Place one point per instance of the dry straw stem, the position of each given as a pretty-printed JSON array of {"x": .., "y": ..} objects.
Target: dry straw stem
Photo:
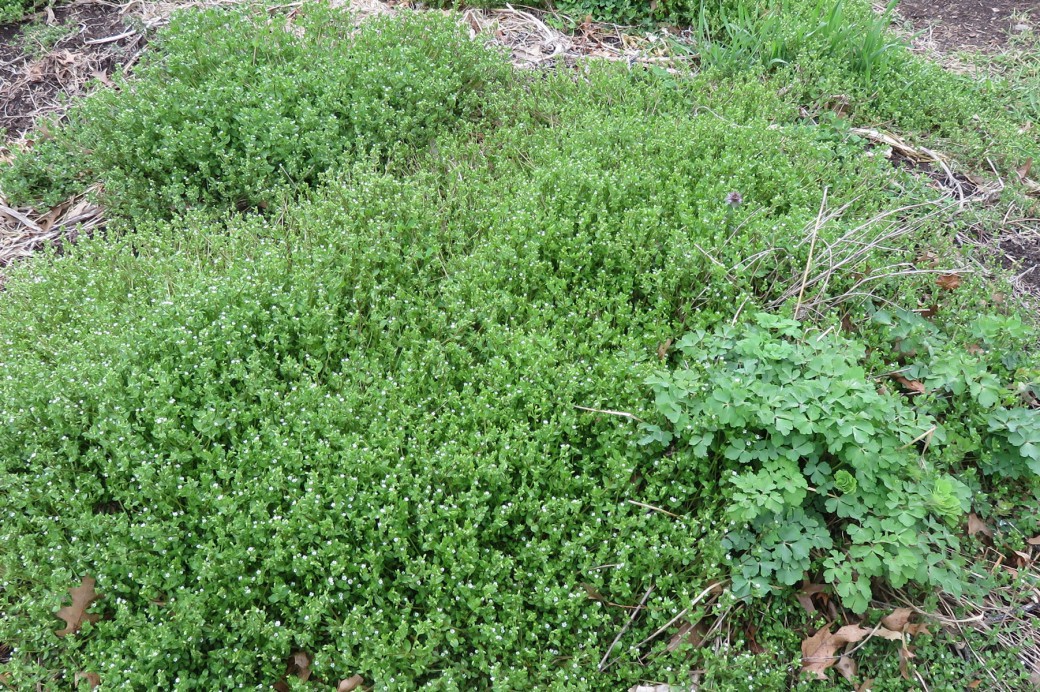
[
  {"x": 1009, "y": 615},
  {"x": 23, "y": 231},
  {"x": 850, "y": 252},
  {"x": 812, "y": 249},
  {"x": 1020, "y": 235},
  {"x": 603, "y": 665},
  {"x": 533, "y": 43},
  {"x": 923, "y": 156}
]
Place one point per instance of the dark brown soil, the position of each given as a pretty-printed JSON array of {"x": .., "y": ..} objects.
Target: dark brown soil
[
  {"x": 1021, "y": 250},
  {"x": 89, "y": 42},
  {"x": 970, "y": 24}
]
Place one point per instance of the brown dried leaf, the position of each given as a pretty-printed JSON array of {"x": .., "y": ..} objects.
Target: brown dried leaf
[
  {"x": 927, "y": 259},
  {"x": 103, "y": 78},
  {"x": 1023, "y": 170},
  {"x": 914, "y": 630},
  {"x": 749, "y": 632},
  {"x": 976, "y": 526},
  {"x": 818, "y": 651},
  {"x": 47, "y": 220},
  {"x": 806, "y": 593},
  {"x": 975, "y": 349},
  {"x": 849, "y": 634},
  {"x": 350, "y": 683},
  {"x": 662, "y": 348},
  {"x": 1035, "y": 540},
  {"x": 593, "y": 593},
  {"x": 847, "y": 667},
  {"x": 866, "y": 686},
  {"x": 300, "y": 665},
  {"x": 897, "y": 619},
  {"x": 76, "y": 614},
  {"x": 806, "y": 602},
  {"x": 948, "y": 281},
  {"x": 888, "y": 634},
  {"x": 974, "y": 684},
  {"x": 92, "y": 678},
  {"x": 909, "y": 386},
  {"x": 816, "y": 647},
  {"x": 905, "y": 654},
  {"x": 692, "y": 634}
]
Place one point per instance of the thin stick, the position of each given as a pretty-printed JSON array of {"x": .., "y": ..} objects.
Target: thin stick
[
  {"x": 812, "y": 248},
  {"x": 17, "y": 216},
  {"x": 656, "y": 509},
  {"x": 671, "y": 622},
  {"x": 631, "y": 619},
  {"x": 739, "y": 310},
  {"x": 109, "y": 39},
  {"x": 926, "y": 434},
  {"x": 608, "y": 412}
]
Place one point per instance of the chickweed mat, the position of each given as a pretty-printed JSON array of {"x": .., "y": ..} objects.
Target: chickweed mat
[{"x": 397, "y": 367}]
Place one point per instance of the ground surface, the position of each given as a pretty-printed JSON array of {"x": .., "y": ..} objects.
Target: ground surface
[
  {"x": 50, "y": 59},
  {"x": 970, "y": 24},
  {"x": 43, "y": 64}
]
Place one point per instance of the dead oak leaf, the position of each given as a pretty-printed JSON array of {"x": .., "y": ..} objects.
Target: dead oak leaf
[
  {"x": 688, "y": 633},
  {"x": 949, "y": 282},
  {"x": 93, "y": 679},
  {"x": 977, "y": 526},
  {"x": 819, "y": 651},
  {"x": 846, "y": 667},
  {"x": 1023, "y": 170},
  {"x": 76, "y": 614},
  {"x": 300, "y": 666},
  {"x": 593, "y": 593},
  {"x": 897, "y": 619},
  {"x": 888, "y": 634},
  {"x": 805, "y": 596},
  {"x": 905, "y": 654},
  {"x": 908, "y": 385},
  {"x": 350, "y": 684},
  {"x": 749, "y": 634},
  {"x": 663, "y": 347}
]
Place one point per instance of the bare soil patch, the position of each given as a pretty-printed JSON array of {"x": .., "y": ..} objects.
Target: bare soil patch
[
  {"x": 1021, "y": 253},
  {"x": 51, "y": 59},
  {"x": 970, "y": 24}
]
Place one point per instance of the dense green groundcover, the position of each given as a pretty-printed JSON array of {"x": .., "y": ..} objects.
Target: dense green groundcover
[{"x": 354, "y": 424}]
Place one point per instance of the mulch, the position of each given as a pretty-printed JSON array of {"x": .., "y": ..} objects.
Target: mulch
[
  {"x": 970, "y": 24},
  {"x": 37, "y": 82}
]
